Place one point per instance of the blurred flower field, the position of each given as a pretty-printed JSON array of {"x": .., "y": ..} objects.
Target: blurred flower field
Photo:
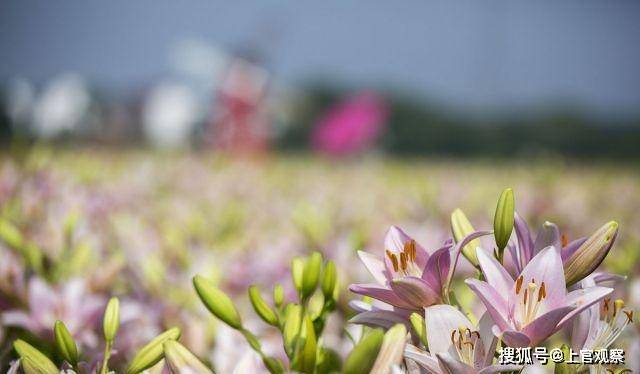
[{"x": 81, "y": 226}]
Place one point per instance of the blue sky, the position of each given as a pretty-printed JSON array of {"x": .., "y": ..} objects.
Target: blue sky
[{"x": 469, "y": 53}]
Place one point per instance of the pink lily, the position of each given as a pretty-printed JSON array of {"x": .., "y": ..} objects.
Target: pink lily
[
  {"x": 410, "y": 278},
  {"x": 600, "y": 325},
  {"x": 528, "y": 310},
  {"x": 456, "y": 345}
]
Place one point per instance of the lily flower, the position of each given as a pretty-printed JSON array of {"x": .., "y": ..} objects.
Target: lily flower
[
  {"x": 409, "y": 277},
  {"x": 601, "y": 324},
  {"x": 529, "y": 309},
  {"x": 456, "y": 345},
  {"x": 580, "y": 257}
]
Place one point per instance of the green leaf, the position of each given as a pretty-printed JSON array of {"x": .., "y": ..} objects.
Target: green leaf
[{"x": 217, "y": 302}]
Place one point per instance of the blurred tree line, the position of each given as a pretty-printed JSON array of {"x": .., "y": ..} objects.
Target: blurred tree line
[{"x": 416, "y": 127}]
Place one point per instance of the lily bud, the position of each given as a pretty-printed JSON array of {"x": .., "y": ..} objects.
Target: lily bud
[
  {"x": 261, "y": 307},
  {"x": 111, "y": 320},
  {"x": 65, "y": 343},
  {"x": 278, "y": 295},
  {"x": 461, "y": 228},
  {"x": 297, "y": 269},
  {"x": 152, "y": 353},
  {"x": 504, "y": 218},
  {"x": 217, "y": 302},
  {"x": 291, "y": 328},
  {"x": 181, "y": 360},
  {"x": 311, "y": 274},
  {"x": 419, "y": 327},
  {"x": 34, "y": 361},
  {"x": 392, "y": 349},
  {"x": 329, "y": 280},
  {"x": 305, "y": 361},
  {"x": 590, "y": 254},
  {"x": 363, "y": 355}
]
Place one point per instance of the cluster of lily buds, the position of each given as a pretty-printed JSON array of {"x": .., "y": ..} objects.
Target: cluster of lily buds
[
  {"x": 71, "y": 360},
  {"x": 300, "y": 322}
]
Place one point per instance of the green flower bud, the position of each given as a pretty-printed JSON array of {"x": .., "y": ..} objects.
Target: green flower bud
[
  {"x": 311, "y": 274},
  {"x": 111, "y": 320},
  {"x": 11, "y": 235},
  {"x": 564, "y": 367},
  {"x": 152, "y": 353},
  {"x": 278, "y": 295},
  {"x": 305, "y": 361},
  {"x": 329, "y": 280},
  {"x": 34, "y": 361},
  {"x": 363, "y": 355},
  {"x": 261, "y": 307},
  {"x": 419, "y": 327},
  {"x": 590, "y": 254},
  {"x": 392, "y": 349},
  {"x": 274, "y": 365},
  {"x": 297, "y": 269},
  {"x": 504, "y": 218},
  {"x": 461, "y": 228},
  {"x": 65, "y": 343},
  {"x": 181, "y": 360},
  {"x": 218, "y": 303},
  {"x": 328, "y": 361},
  {"x": 291, "y": 328}
]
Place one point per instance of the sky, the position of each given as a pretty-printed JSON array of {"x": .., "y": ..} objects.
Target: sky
[{"x": 469, "y": 53}]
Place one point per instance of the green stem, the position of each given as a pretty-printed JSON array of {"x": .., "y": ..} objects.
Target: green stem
[{"x": 107, "y": 354}]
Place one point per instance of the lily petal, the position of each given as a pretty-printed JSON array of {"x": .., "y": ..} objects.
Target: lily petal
[
  {"x": 545, "y": 325},
  {"x": 380, "y": 293},
  {"x": 453, "y": 366},
  {"x": 514, "y": 338},
  {"x": 582, "y": 299},
  {"x": 547, "y": 267},
  {"x": 422, "y": 358},
  {"x": 375, "y": 266},
  {"x": 525, "y": 243},
  {"x": 415, "y": 291},
  {"x": 379, "y": 318},
  {"x": 548, "y": 236},
  {"x": 500, "y": 369},
  {"x": 437, "y": 269},
  {"x": 496, "y": 305},
  {"x": 395, "y": 240},
  {"x": 441, "y": 320},
  {"x": 495, "y": 274}
]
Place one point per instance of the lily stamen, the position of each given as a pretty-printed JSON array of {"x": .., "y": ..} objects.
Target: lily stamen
[{"x": 404, "y": 262}]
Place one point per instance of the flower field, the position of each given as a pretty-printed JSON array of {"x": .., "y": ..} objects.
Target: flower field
[{"x": 177, "y": 240}]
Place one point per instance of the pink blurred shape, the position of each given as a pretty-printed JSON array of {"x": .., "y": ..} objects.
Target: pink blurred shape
[{"x": 351, "y": 126}]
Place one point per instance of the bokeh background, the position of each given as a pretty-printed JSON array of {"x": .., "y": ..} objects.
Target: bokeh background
[{"x": 144, "y": 142}]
